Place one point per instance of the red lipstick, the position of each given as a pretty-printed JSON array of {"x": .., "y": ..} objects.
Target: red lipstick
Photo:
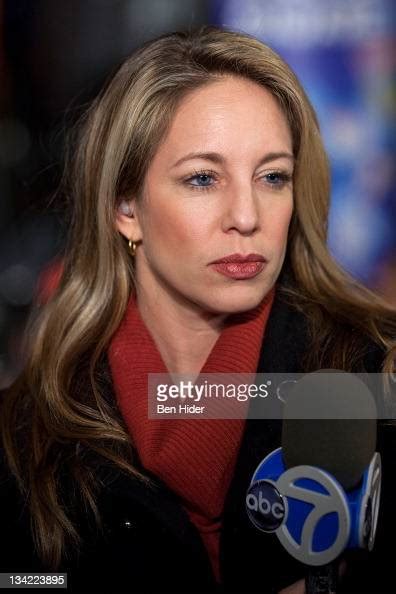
[{"x": 238, "y": 266}]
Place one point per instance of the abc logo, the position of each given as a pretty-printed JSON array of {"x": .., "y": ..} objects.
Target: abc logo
[{"x": 265, "y": 506}]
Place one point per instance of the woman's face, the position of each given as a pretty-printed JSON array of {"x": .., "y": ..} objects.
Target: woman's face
[{"x": 219, "y": 186}]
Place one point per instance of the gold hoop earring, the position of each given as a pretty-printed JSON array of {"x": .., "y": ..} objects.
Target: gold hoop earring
[{"x": 132, "y": 247}]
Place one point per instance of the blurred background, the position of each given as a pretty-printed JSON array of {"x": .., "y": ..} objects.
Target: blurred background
[{"x": 55, "y": 56}]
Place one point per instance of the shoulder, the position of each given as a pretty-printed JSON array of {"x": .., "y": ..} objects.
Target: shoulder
[{"x": 288, "y": 342}]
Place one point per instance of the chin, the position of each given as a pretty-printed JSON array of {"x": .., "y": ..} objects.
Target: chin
[{"x": 239, "y": 301}]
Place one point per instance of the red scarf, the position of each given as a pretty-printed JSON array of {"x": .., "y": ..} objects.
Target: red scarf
[{"x": 195, "y": 458}]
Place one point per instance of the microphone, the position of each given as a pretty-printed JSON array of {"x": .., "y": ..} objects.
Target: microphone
[{"x": 320, "y": 491}]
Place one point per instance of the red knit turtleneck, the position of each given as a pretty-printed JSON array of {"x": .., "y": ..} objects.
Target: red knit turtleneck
[{"x": 194, "y": 457}]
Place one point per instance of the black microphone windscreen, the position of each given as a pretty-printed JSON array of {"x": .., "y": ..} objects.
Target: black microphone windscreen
[{"x": 330, "y": 422}]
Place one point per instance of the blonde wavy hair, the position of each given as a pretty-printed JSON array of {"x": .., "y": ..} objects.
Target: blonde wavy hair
[{"x": 44, "y": 419}]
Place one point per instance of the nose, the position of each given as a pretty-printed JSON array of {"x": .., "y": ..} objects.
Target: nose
[{"x": 241, "y": 211}]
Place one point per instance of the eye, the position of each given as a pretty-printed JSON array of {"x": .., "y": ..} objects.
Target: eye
[
  {"x": 277, "y": 179},
  {"x": 201, "y": 180}
]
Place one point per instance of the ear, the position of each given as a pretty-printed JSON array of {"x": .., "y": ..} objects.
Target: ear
[{"x": 127, "y": 221}]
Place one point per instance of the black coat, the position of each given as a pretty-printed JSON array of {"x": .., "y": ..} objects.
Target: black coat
[{"x": 149, "y": 543}]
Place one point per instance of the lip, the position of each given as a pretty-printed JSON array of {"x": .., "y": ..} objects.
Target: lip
[
  {"x": 240, "y": 267},
  {"x": 240, "y": 258}
]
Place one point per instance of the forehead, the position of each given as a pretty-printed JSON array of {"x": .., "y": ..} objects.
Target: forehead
[{"x": 231, "y": 114}]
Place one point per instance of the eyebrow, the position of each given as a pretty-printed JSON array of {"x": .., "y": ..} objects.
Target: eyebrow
[{"x": 217, "y": 158}]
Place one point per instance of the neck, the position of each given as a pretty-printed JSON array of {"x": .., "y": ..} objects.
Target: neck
[{"x": 184, "y": 334}]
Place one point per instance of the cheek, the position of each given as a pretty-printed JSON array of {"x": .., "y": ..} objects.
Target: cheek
[
  {"x": 168, "y": 228},
  {"x": 279, "y": 224}
]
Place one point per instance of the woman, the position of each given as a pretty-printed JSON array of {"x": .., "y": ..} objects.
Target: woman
[{"x": 198, "y": 243}]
